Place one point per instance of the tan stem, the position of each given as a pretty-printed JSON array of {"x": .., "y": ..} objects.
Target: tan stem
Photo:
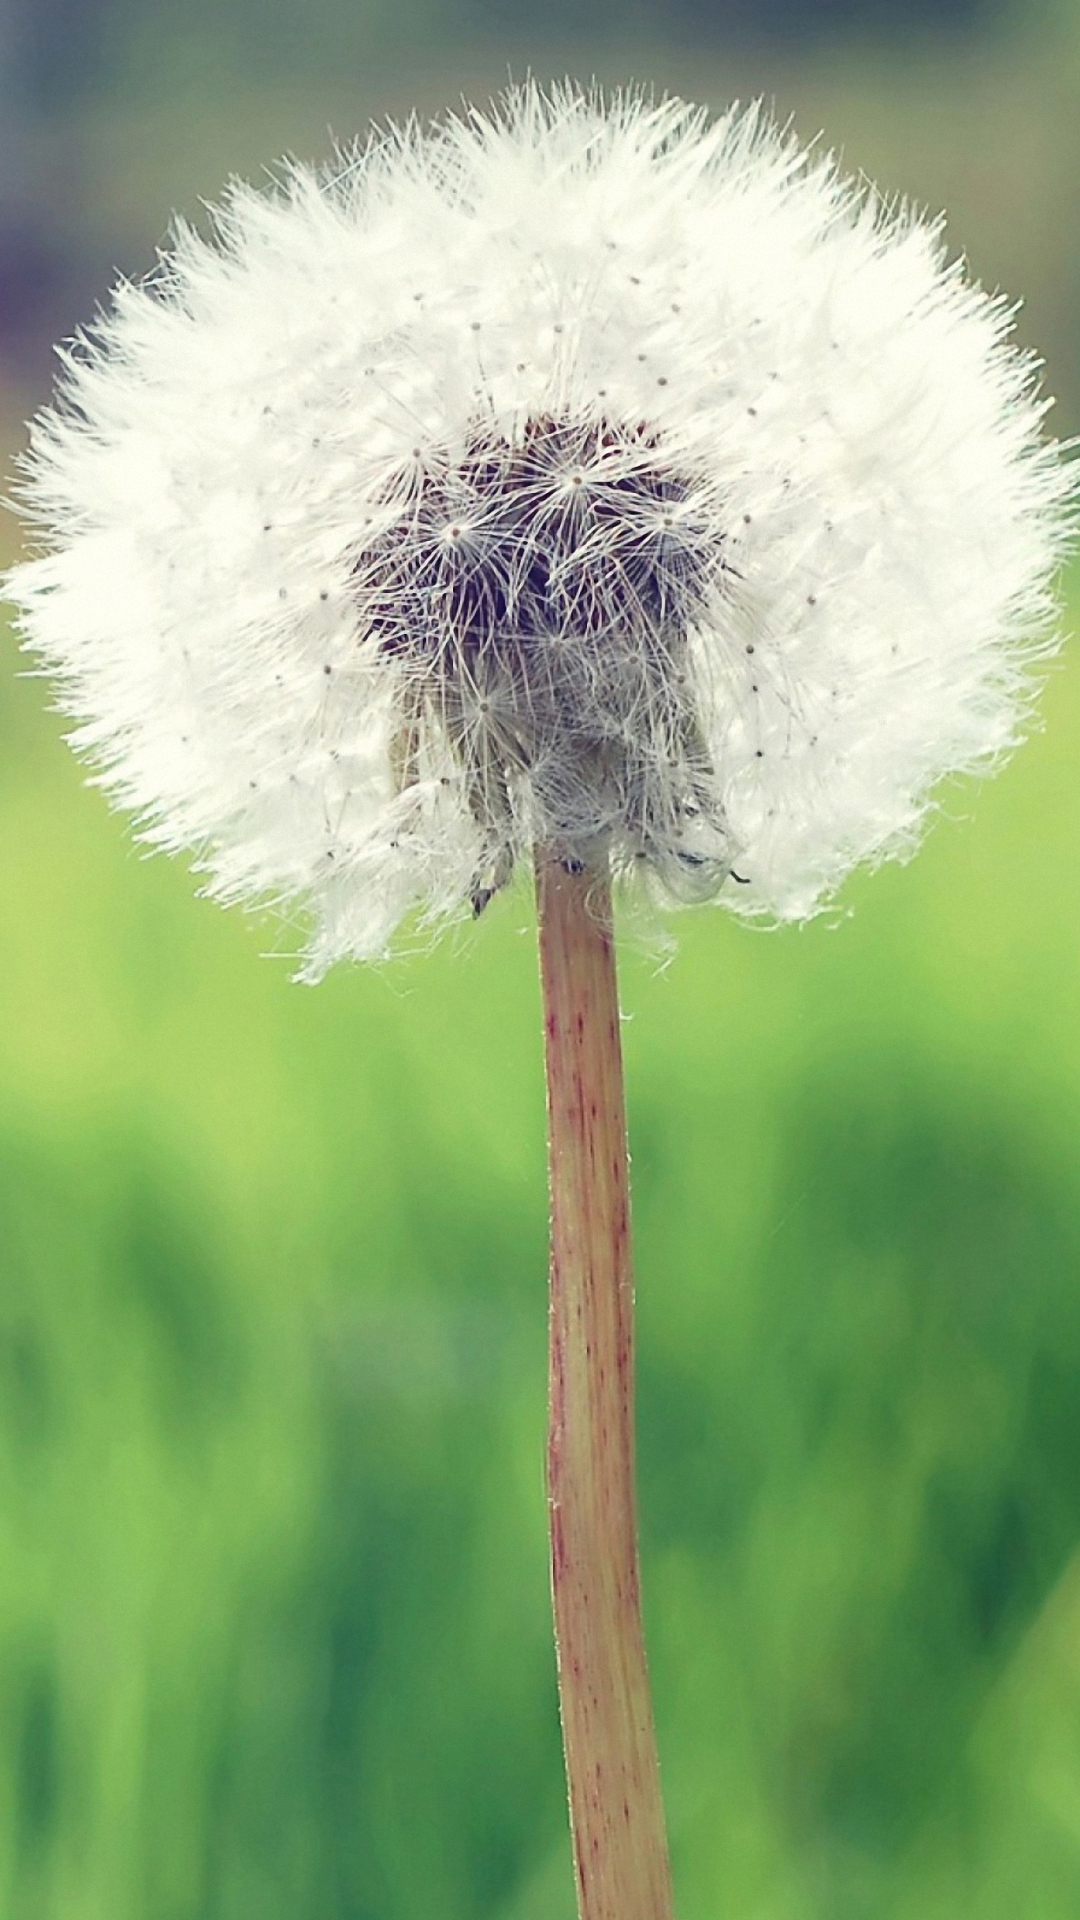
[{"x": 616, "y": 1814}]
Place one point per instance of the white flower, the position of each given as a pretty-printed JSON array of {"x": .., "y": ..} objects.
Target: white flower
[{"x": 590, "y": 475}]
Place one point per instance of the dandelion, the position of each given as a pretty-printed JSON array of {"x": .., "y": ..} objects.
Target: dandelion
[{"x": 590, "y": 484}]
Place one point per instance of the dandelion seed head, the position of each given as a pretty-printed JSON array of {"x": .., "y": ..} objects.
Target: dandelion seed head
[{"x": 585, "y": 474}]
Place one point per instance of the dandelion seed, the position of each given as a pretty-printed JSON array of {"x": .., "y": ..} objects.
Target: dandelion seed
[{"x": 619, "y": 718}]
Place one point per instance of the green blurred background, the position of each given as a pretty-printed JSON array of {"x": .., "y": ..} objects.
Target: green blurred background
[{"x": 274, "y": 1641}]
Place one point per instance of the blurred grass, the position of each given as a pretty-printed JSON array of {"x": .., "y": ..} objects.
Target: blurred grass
[
  {"x": 273, "y": 1611},
  {"x": 274, "y": 1640}
]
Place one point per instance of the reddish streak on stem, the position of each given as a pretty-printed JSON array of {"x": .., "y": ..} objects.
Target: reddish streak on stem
[{"x": 616, "y": 1814}]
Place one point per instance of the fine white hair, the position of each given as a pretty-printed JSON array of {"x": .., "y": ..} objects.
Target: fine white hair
[{"x": 587, "y": 472}]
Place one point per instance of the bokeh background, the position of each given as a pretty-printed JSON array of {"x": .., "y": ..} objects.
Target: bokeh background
[{"x": 274, "y": 1640}]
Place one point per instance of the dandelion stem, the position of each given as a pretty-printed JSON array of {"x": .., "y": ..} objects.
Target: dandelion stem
[{"x": 616, "y": 1813}]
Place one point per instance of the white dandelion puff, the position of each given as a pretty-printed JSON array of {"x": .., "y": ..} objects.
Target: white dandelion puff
[{"x": 587, "y": 475}]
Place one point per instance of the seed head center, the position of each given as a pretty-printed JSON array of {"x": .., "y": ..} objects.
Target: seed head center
[{"x": 535, "y": 596}]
